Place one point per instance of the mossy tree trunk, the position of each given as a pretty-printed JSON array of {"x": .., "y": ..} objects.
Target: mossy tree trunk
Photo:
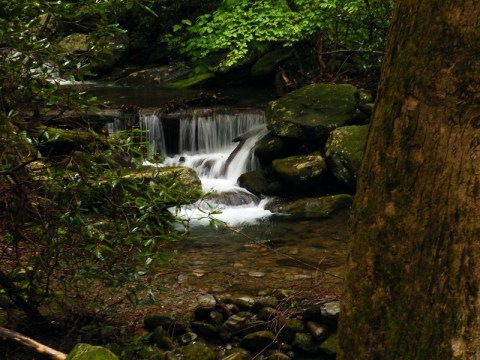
[{"x": 412, "y": 288}]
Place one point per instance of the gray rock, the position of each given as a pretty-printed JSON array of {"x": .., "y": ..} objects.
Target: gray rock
[
  {"x": 197, "y": 351},
  {"x": 258, "y": 340},
  {"x": 254, "y": 181},
  {"x": 266, "y": 313},
  {"x": 154, "y": 76},
  {"x": 304, "y": 342},
  {"x": 188, "y": 337},
  {"x": 310, "y": 113},
  {"x": 151, "y": 322},
  {"x": 277, "y": 355},
  {"x": 330, "y": 346},
  {"x": 330, "y": 313},
  {"x": 206, "y": 300},
  {"x": 318, "y": 331},
  {"x": 290, "y": 328},
  {"x": 243, "y": 302},
  {"x": 205, "y": 329},
  {"x": 320, "y": 207},
  {"x": 263, "y": 302},
  {"x": 302, "y": 172},
  {"x": 216, "y": 317},
  {"x": 344, "y": 152}
]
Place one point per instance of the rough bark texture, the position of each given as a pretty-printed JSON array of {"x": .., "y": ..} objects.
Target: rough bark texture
[{"x": 414, "y": 267}]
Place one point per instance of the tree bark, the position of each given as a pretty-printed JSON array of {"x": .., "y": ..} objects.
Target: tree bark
[{"x": 412, "y": 288}]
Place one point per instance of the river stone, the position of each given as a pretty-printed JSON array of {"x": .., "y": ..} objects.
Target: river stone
[
  {"x": 304, "y": 342},
  {"x": 197, "y": 351},
  {"x": 290, "y": 328},
  {"x": 330, "y": 313},
  {"x": 263, "y": 302},
  {"x": 321, "y": 207},
  {"x": 151, "y": 353},
  {"x": 319, "y": 331},
  {"x": 243, "y": 302},
  {"x": 152, "y": 321},
  {"x": 205, "y": 329},
  {"x": 311, "y": 112},
  {"x": 344, "y": 152},
  {"x": 90, "y": 352},
  {"x": 266, "y": 314},
  {"x": 258, "y": 340},
  {"x": 207, "y": 300},
  {"x": 184, "y": 184},
  {"x": 272, "y": 147},
  {"x": 300, "y": 172},
  {"x": 233, "y": 325},
  {"x": 254, "y": 181},
  {"x": 277, "y": 355},
  {"x": 153, "y": 76},
  {"x": 216, "y": 317},
  {"x": 188, "y": 337},
  {"x": 330, "y": 346},
  {"x": 164, "y": 342}
]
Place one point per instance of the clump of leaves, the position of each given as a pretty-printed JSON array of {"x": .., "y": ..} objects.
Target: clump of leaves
[{"x": 238, "y": 27}]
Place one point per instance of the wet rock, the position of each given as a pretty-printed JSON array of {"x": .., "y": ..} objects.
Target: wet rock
[
  {"x": 86, "y": 351},
  {"x": 330, "y": 313},
  {"x": 318, "y": 331},
  {"x": 206, "y": 300},
  {"x": 319, "y": 207},
  {"x": 272, "y": 147},
  {"x": 310, "y": 113},
  {"x": 266, "y": 313},
  {"x": 277, "y": 355},
  {"x": 255, "y": 182},
  {"x": 188, "y": 337},
  {"x": 304, "y": 342},
  {"x": 197, "y": 351},
  {"x": 185, "y": 185},
  {"x": 216, "y": 317},
  {"x": 243, "y": 302},
  {"x": 153, "y": 76},
  {"x": 258, "y": 340},
  {"x": 164, "y": 342},
  {"x": 302, "y": 172},
  {"x": 151, "y": 322},
  {"x": 330, "y": 346},
  {"x": 233, "y": 325},
  {"x": 263, "y": 302},
  {"x": 151, "y": 353},
  {"x": 256, "y": 274},
  {"x": 290, "y": 328},
  {"x": 237, "y": 354},
  {"x": 205, "y": 329},
  {"x": 344, "y": 152}
]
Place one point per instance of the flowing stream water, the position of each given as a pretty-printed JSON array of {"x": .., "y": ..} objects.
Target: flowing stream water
[{"x": 264, "y": 250}]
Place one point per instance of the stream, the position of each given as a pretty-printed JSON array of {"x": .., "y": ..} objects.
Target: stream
[{"x": 256, "y": 250}]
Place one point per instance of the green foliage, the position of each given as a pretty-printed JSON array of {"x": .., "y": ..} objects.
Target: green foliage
[
  {"x": 73, "y": 222},
  {"x": 239, "y": 27}
]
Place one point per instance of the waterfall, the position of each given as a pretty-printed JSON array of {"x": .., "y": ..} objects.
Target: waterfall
[
  {"x": 218, "y": 144},
  {"x": 153, "y": 130}
]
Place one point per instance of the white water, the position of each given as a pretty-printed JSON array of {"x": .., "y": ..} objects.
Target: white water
[{"x": 205, "y": 143}]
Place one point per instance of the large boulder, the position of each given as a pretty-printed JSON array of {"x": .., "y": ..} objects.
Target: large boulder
[
  {"x": 90, "y": 352},
  {"x": 157, "y": 76},
  {"x": 344, "y": 152},
  {"x": 319, "y": 207},
  {"x": 300, "y": 172},
  {"x": 184, "y": 184},
  {"x": 312, "y": 112},
  {"x": 112, "y": 48},
  {"x": 257, "y": 183}
]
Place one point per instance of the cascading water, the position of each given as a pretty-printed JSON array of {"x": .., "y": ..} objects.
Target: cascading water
[{"x": 205, "y": 143}]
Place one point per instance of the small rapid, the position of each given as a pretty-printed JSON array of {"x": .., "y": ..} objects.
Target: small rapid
[{"x": 203, "y": 139}]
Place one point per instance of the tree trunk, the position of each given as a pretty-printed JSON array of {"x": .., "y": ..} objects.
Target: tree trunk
[{"x": 412, "y": 288}]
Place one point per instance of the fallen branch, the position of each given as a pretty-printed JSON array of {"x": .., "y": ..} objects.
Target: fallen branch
[{"x": 7, "y": 334}]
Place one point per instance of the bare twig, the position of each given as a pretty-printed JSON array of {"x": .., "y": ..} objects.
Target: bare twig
[{"x": 32, "y": 344}]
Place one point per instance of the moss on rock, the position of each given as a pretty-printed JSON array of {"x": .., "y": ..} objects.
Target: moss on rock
[
  {"x": 344, "y": 152},
  {"x": 310, "y": 113},
  {"x": 320, "y": 207},
  {"x": 300, "y": 172}
]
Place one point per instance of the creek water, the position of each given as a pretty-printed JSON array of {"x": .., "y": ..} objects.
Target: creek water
[{"x": 256, "y": 250}]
